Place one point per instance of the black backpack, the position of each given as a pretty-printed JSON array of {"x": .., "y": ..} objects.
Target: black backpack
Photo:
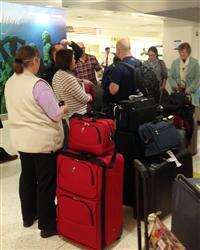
[
  {"x": 149, "y": 83},
  {"x": 106, "y": 80}
]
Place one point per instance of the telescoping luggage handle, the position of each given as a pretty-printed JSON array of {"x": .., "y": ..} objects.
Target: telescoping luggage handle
[
  {"x": 192, "y": 187},
  {"x": 91, "y": 158},
  {"x": 141, "y": 171}
]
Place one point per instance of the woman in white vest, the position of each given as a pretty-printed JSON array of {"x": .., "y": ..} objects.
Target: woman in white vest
[{"x": 36, "y": 132}]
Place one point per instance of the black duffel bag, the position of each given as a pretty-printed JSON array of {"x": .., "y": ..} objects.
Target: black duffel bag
[
  {"x": 176, "y": 104},
  {"x": 131, "y": 114},
  {"x": 159, "y": 137}
]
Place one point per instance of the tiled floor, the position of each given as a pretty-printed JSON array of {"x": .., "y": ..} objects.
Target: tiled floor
[{"x": 12, "y": 233}]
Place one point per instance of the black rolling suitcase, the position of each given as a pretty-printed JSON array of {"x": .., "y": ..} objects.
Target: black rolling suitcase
[
  {"x": 186, "y": 211},
  {"x": 129, "y": 183},
  {"x": 159, "y": 237},
  {"x": 128, "y": 144},
  {"x": 161, "y": 174}
]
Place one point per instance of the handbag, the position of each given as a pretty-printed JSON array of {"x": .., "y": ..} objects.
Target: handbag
[
  {"x": 161, "y": 238},
  {"x": 159, "y": 137}
]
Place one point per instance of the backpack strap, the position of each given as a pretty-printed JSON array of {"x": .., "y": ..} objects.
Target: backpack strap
[
  {"x": 127, "y": 65},
  {"x": 134, "y": 71}
]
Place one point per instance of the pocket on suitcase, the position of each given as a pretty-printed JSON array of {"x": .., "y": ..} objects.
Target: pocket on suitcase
[
  {"x": 76, "y": 210},
  {"x": 85, "y": 131},
  {"x": 72, "y": 171},
  {"x": 77, "y": 220}
]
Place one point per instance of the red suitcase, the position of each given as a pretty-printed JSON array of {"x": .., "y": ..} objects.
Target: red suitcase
[
  {"x": 91, "y": 135},
  {"x": 89, "y": 194}
]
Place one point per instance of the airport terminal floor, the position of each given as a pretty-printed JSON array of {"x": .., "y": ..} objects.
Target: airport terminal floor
[{"x": 14, "y": 236}]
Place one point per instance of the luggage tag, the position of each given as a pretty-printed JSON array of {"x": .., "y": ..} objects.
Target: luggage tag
[{"x": 173, "y": 159}]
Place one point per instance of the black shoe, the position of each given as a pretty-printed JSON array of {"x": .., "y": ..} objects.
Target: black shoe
[
  {"x": 48, "y": 233},
  {"x": 29, "y": 223}
]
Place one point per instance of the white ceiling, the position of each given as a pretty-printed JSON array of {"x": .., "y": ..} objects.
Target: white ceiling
[
  {"x": 116, "y": 23},
  {"x": 144, "y": 6},
  {"x": 54, "y": 3},
  {"x": 182, "y": 9},
  {"x": 120, "y": 17}
]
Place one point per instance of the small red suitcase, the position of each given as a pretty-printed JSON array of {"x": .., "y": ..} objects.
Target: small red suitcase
[
  {"x": 89, "y": 194},
  {"x": 91, "y": 135}
]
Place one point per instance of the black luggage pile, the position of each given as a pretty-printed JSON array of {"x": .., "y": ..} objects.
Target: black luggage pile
[
  {"x": 156, "y": 234},
  {"x": 141, "y": 135},
  {"x": 129, "y": 116},
  {"x": 180, "y": 106}
]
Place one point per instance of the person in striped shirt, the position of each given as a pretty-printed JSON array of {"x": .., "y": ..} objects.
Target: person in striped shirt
[{"x": 67, "y": 87}]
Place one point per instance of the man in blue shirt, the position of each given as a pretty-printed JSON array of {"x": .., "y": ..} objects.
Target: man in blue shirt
[{"x": 122, "y": 80}]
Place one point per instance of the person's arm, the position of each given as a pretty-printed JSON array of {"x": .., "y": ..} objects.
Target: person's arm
[
  {"x": 163, "y": 85},
  {"x": 196, "y": 79},
  {"x": 63, "y": 110},
  {"x": 172, "y": 79},
  {"x": 164, "y": 74},
  {"x": 113, "y": 88},
  {"x": 115, "y": 81},
  {"x": 74, "y": 88},
  {"x": 44, "y": 97},
  {"x": 78, "y": 52},
  {"x": 97, "y": 67}
]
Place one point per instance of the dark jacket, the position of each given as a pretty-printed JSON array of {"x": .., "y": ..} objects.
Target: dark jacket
[{"x": 49, "y": 72}]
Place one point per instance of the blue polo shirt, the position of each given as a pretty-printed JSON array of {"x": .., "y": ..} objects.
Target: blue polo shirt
[{"x": 124, "y": 77}]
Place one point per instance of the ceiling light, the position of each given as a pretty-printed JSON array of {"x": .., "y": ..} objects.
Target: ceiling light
[{"x": 49, "y": 6}]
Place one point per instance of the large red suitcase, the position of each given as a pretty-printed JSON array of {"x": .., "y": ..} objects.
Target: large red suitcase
[
  {"x": 89, "y": 194},
  {"x": 91, "y": 135}
]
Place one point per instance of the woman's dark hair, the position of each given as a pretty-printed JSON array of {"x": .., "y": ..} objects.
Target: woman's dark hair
[
  {"x": 64, "y": 59},
  {"x": 24, "y": 56},
  {"x": 185, "y": 46},
  {"x": 154, "y": 50}
]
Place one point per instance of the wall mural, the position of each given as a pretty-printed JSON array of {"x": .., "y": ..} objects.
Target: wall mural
[{"x": 26, "y": 24}]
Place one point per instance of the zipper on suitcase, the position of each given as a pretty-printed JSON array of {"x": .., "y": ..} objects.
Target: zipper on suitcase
[
  {"x": 91, "y": 173},
  {"x": 85, "y": 124},
  {"x": 161, "y": 129}
]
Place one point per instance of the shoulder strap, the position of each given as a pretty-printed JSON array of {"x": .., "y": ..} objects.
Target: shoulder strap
[
  {"x": 162, "y": 66},
  {"x": 127, "y": 65}
]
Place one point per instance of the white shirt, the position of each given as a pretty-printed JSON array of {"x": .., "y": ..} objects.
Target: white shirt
[
  {"x": 107, "y": 60},
  {"x": 183, "y": 70}
]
